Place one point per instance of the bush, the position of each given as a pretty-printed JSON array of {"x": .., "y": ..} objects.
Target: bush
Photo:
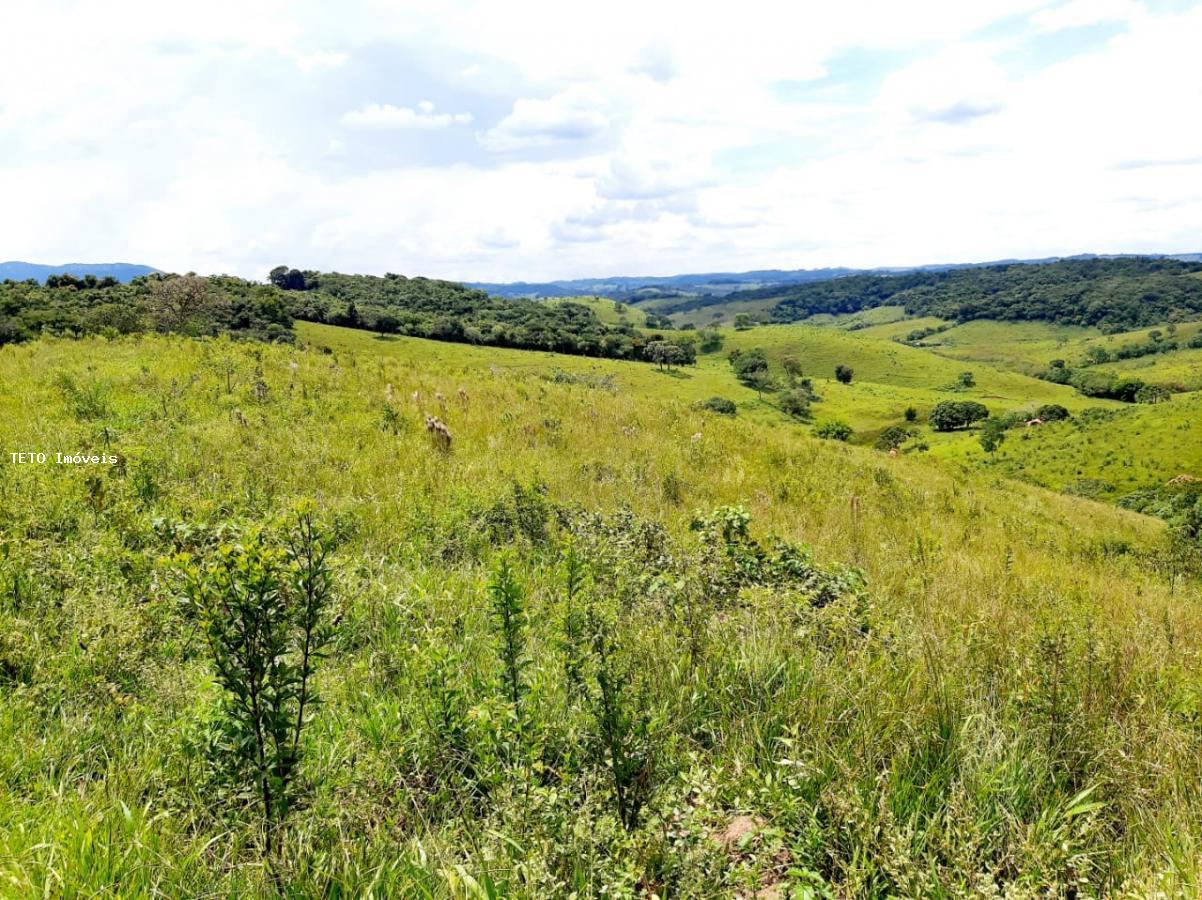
[
  {"x": 796, "y": 403},
  {"x": 1052, "y": 412},
  {"x": 834, "y": 430},
  {"x": 893, "y": 437},
  {"x": 720, "y": 405},
  {"x": 843, "y": 374}
]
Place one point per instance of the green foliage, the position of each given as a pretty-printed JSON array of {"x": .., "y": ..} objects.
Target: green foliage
[
  {"x": 1108, "y": 293},
  {"x": 795, "y": 402},
  {"x": 448, "y": 311},
  {"x": 1052, "y": 412},
  {"x": 843, "y": 374},
  {"x": 991, "y": 434},
  {"x": 893, "y": 437},
  {"x": 262, "y": 606},
  {"x": 187, "y": 304},
  {"x": 835, "y": 430},
  {"x": 508, "y": 607},
  {"x": 952, "y": 414},
  {"x": 720, "y": 405}
]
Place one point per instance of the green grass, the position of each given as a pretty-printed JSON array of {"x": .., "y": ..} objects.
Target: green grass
[
  {"x": 607, "y": 310},
  {"x": 1008, "y": 703},
  {"x": 1139, "y": 447}
]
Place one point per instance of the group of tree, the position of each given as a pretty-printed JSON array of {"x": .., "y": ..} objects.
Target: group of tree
[
  {"x": 184, "y": 304},
  {"x": 1113, "y": 294},
  {"x": 1106, "y": 385},
  {"x": 951, "y": 415},
  {"x": 449, "y": 311},
  {"x": 1156, "y": 342}
]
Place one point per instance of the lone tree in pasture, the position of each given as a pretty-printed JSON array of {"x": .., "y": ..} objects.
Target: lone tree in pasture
[
  {"x": 893, "y": 437},
  {"x": 792, "y": 367},
  {"x": 843, "y": 374}
]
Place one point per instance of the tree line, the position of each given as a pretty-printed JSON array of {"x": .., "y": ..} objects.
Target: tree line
[
  {"x": 69, "y": 306},
  {"x": 1112, "y": 294},
  {"x": 449, "y": 311}
]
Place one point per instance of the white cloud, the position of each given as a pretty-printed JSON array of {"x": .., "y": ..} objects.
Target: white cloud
[
  {"x": 903, "y": 136},
  {"x": 1081, "y": 13},
  {"x": 576, "y": 114},
  {"x": 387, "y": 117}
]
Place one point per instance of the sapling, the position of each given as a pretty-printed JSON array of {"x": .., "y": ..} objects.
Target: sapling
[
  {"x": 623, "y": 729},
  {"x": 509, "y": 614},
  {"x": 262, "y": 605}
]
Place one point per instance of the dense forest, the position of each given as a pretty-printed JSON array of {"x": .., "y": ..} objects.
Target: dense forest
[
  {"x": 1112, "y": 294},
  {"x": 448, "y": 311},
  {"x": 186, "y": 304}
]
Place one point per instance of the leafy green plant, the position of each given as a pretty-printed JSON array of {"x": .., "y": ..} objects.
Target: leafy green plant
[
  {"x": 622, "y": 728},
  {"x": 262, "y": 605}
]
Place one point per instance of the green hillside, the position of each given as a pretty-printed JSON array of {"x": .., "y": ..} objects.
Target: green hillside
[{"x": 998, "y": 692}]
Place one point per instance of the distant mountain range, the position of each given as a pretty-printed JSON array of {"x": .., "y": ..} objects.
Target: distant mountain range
[
  {"x": 22, "y": 271},
  {"x": 720, "y": 284}
]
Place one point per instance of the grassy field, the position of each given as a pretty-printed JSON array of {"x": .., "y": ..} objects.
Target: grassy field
[
  {"x": 999, "y": 697},
  {"x": 608, "y": 312},
  {"x": 1132, "y": 448},
  {"x": 1029, "y": 346}
]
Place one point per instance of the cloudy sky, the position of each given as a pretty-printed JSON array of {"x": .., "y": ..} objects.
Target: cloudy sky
[{"x": 535, "y": 140}]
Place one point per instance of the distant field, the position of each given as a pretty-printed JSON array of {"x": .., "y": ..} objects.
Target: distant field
[
  {"x": 720, "y": 314},
  {"x": 1029, "y": 347},
  {"x": 889, "y": 377},
  {"x": 607, "y": 310},
  {"x": 1141, "y": 446},
  {"x": 878, "y": 315}
]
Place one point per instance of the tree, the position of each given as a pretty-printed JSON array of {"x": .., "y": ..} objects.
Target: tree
[
  {"x": 1153, "y": 393},
  {"x": 743, "y": 321},
  {"x": 711, "y": 340},
  {"x": 665, "y": 353},
  {"x": 792, "y": 367},
  {"x": 992, "y": 434},
  {"x": 893, "y": 437},
  {"x": 387, "y": 324},
  {"x": 287, "y": 279},
  {"x": 795, "y": 403},
  {"x": 843, "y": 374},
  {"x": 952, "y": 414},
  {"x": 966, "y": 380},
  {"x": 911, "y": 414},
  {"x": 761, "y": 382},
  {"x": 183, "y": 303},
  {"x": 1052, "y": 412},
  {"x": 749, "y": 364}
]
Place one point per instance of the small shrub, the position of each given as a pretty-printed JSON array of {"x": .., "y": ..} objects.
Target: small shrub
[
  {"x": 834, "y": 430},
  {"x": 720, "y": 405}
]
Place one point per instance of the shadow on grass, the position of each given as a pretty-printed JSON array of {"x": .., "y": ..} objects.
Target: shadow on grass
[
  {"x": 386, "y": 337},
  {"x": 675, "y": 373}
]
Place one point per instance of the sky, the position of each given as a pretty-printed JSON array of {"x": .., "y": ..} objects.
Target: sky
[{"x": 536, "y": 140}]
